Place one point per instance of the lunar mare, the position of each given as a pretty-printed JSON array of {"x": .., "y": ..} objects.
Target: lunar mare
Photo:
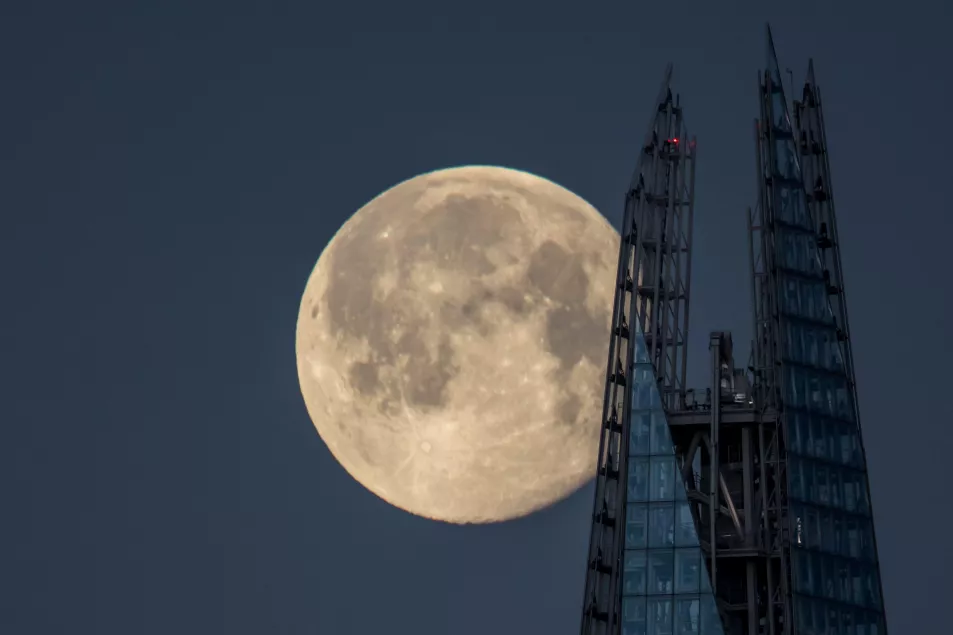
[{"x": 451, "y": 343}]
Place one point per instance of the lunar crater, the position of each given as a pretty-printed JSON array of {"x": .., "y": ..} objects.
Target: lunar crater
[{"x": 451, "y": 339}]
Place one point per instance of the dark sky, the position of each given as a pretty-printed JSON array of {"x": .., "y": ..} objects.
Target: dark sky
[{"x": 169, "y": 173}]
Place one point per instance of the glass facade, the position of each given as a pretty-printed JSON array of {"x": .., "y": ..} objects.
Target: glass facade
[
  {"x": 834, "y": 562},
  {"x": 665, "y": 585}
]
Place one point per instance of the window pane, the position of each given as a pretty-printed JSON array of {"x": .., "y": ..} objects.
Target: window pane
[
  {"x": 827, "y": 532},
  {"x": 641, "y": 353},
  {"x": 821, "y": 489},
  {"x": 844, "y": 592},
  {"x": 662, "y": 525},
  {"x": 805, "y": 620},
  {"x": 795, "y": 442},
  {"x": 636, "y": 525},
  {"x": 661, "y": 571},
  {"x": 804, "y": 573},
  {"x": 820, "y": 617},
  {"x": 871, "y": 587},
  {"x": 661, "y": 437},
  {"x": 662, "y": 478},
  {"x": 644, "y": 391},
  {"x": 710, "y": 620},
  {"x": 634, "y": 573},
  {"x": 687, "y": 570},
  {"x": 633, "y": 616},
  {"x": 857, "y": 582},
  {"x": 638, "y": 486},
  {"x": 685, "y": 535},
  {"x": 867, "y": 541},
  {"x": 639, "y": 433},
  {"x": 660, "y": 616},
  {"x": 687, "y": 616},
  {"x": 796, "y": 478},
  {"x": 837, "y": 487},
  {"x": 847, "y": 621}
]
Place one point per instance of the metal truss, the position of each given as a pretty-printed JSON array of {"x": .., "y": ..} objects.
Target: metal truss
[
  {"x": 728, "y": 453},
  {"x": 812, "y": 146},
  {"x": 732, "y": 447},
  {"x": 651, "y": 298}
]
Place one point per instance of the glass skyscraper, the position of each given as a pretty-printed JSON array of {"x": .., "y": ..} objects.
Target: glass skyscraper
[
  {"x": 743, "y": 508},
  {"x": 836, "y": 586},
  {"x": 665, "y": 587}
]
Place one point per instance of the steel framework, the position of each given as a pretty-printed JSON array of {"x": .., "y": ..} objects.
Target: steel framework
[
  {"x": 746, "y": 511},
  {"x": 649, "y": 325}
]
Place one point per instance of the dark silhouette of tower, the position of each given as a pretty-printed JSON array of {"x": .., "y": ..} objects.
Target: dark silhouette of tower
[{"x": 743, "y": 510}]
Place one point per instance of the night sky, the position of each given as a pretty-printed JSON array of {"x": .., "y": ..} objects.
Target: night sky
[{"x": 170, "y": 172}]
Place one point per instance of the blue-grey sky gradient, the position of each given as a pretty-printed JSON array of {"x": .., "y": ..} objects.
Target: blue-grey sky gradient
[{"x": 170, "y": 172}]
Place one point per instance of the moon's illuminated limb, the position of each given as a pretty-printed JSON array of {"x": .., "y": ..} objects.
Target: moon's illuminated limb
[{"x": 451, "y": 343}]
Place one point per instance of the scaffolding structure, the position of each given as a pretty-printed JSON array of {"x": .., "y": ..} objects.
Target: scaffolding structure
[
  {"x": 745, "y": 511},
  {"x": 648, "y": 341}
]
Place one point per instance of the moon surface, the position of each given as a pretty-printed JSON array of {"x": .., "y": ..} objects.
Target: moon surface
[{"x": 451, "y": 343}]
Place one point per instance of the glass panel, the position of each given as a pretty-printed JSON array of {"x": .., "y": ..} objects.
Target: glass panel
[
  {"x": 633, "y": 616},
  {"x": 687, "y": 570},
  {"x": 812, "y": 528},
  {"x": 807, "y": 476},
  {"x": 687, "y": 615},
  {"x": 840, "y": 535},
  {"x": 818, "y": 571},
  {"x": 837, "y": 487},
  {"x": 828, "y": 571},
  {"x": 803, "y": 616},
  {"x": 844, "y": 592},
  {"x": 662, "y": 477},
  {"x": 853, "y": 537},
  {"x": 871, "y": 587},
  {"x": 634, "y": 573},
  {"x": 849, "y": 484},
  {"x": 710, "y": 620},
  {"x": 641, "y": 353},
  {"x": 847, "y": 621},
  {"x": 796, "y": 439},
  {"x": 661, "y": 438},
  {"x": 662, "y": 525},
  {"x": 820, "y": 617},
  {"x": 638, "y": 485},
  {"x": 685, "y": 535},
  {"x": 661, "y": 571},
  {"x": 640, "y": 427},
  {"x": 818, "y": 438},
  {"x": 644, "y": 392},
  {"x": 857, "y": 583},
  {"x": 822, "y": 489},
  {"x": 636, "y": 525},
  {"x": 867, "y": 550},
  {"x": 660, "y": 616},
  {"x": 827, "y": 532},
  {"x": 796, "y": 478},
  {"x": 803, "y": 574}
]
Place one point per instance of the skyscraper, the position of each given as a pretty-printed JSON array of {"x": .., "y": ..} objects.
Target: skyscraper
[{"x": 744, "y": 509}]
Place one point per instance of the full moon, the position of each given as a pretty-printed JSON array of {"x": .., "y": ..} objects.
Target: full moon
[{"x": 451, "y": 343}]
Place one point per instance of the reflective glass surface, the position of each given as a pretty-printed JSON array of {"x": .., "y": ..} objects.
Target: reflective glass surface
[
  {"x": 665, "y": 585},
  {"x": 834, "y": 562}
]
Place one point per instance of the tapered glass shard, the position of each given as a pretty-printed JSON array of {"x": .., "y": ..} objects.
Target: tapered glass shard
[
  {"x": 666, "y": 586},
  {"x": 834, "y": 570}
]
